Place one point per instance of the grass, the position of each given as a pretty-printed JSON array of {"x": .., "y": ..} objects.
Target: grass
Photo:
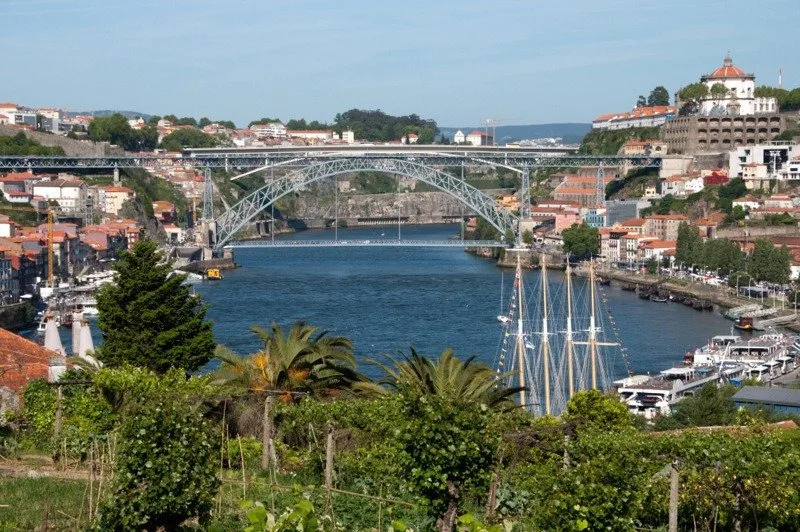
[
  {"x": 58, "y": 504},
  {"x": 42, "y": 504}
]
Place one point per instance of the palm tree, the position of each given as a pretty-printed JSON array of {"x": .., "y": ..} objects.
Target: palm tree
[
  {"x": 450, "y": 378},
  {"x": 303, "y": 361}
]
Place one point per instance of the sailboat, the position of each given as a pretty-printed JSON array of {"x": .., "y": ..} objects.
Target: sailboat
[{"x": 553, "y": 341}]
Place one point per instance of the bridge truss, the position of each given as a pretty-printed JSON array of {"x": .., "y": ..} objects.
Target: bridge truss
[
  {"x": 309, "y": 164},
  {"x": 233, "y": 220},
  {"x": 294, "y": 159},
  {"x": 452, "y": 243}
]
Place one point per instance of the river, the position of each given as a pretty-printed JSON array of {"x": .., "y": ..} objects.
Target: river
[{"x": 386, "y": 299}]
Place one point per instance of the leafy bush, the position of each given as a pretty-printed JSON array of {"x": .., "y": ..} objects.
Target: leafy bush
[
  {"x": 301, "y": 516},
  {"x": 86, "y": 414},
  {"x": 166, "y": 459}
]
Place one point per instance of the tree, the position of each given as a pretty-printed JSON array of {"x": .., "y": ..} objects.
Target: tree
[
  {"x": 149, "y": 319},
  {"x": 693, "y": 91},
  {"x": 688, "y": 247},
  {"x": 770, "y": 263},
  {"x": 166, "y": 459},
  {"x": 658, "y": 96},
  {"x": 188, "y": 138},
  {"x": 204, "y": 121},
  {"x": 723, "y": 255},
  {"x": 641, "y": 101},
  {"x": 581, "y": 241},
  {"x": 450, "y": 378},
  {"x": 719, "y": 91},
  {"x": 690, "y": 97},
  {"x": 527, "y": 237},
  {"x": 305, "y": 359},
  {"x": 652, "y": 266},
  {"x": 447, "y": 447},
  {"x": 711, "y": 406},
  {"x": 263, "y": 121},
  {"x": 739, "y": 278},
  {"x": 593, "y": 409},
  {"x": 116, "y": 130}
]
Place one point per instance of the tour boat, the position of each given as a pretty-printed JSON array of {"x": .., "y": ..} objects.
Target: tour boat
[{"x": 744, "y": 323}]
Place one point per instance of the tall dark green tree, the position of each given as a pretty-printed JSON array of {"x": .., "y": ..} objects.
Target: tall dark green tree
[
  {"x": 770, "y": 263},
  {"x": 149, "y": 319},
  {"x": 689, "y": 246},
  {"x": 658, "y": 96}
]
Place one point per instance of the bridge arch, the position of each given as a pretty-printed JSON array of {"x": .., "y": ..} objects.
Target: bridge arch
[{"x": 235, "y": 218}]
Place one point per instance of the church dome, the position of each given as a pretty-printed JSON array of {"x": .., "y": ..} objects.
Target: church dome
[{"x": 728, "y": 70}]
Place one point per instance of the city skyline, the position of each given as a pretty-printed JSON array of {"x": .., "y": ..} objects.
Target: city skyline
[{"x": 458, "y": 63}]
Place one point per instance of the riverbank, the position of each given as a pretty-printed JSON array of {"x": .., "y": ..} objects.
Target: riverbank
[{"x": 722, "y": 296}]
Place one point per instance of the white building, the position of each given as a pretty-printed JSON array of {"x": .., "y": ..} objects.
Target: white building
[
  {"x": 459, "y": 137},
  {"x": 693, "y": 184},
  {"x": 639, "y": 117},
  {"x": 17, "y": 115},
  {"x": 70, "y": 194},
  {"x": 793, "y": 169},
  {"x": 348, "y": 137},
  {"x": 274, "y": 130},
  {"x": 114, "y": 197},
  {"x": 773, "y": 155},
  {"x": 739, "y": 98},
  {"x": 479, "y": 138},
  {"x": 310, "y": 134}
]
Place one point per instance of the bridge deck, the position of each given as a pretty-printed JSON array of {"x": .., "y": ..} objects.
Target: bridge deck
[{"x": 366, "y": 243}]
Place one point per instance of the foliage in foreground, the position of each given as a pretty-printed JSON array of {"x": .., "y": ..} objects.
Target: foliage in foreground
[
  {"x": 166, "y": 469},
  {"x": 150, "y": 319}
]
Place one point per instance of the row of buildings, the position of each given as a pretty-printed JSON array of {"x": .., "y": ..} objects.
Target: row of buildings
[
  {"x": 67, "y": 195},
  {"x": 24, "y": 252}
]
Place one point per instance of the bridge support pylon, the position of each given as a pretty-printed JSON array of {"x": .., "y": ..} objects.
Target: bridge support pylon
[{"x": 525, "y": 218}]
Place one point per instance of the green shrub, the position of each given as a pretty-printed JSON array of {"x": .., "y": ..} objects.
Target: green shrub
[{"x": 166, "y": 462}]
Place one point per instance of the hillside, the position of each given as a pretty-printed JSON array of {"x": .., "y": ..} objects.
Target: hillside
[
  {"x": 603, "y": 141},
  {"x": 571, "y": 133}
]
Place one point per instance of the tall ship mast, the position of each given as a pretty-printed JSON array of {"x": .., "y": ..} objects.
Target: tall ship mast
[{"x": 553, "y": 341}]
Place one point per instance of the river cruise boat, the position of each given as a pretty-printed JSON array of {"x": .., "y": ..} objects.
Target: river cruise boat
[
  {"x": 777, "y": 352},
  {"x": 652, "y": 396}
]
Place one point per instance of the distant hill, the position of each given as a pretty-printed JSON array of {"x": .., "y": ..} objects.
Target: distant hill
[
  {"x": 109, "y": 112},
  {"x": 571, "y": 133}
]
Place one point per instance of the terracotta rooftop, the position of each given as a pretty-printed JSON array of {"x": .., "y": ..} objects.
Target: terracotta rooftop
[
  {"x": 21, "y": 361},
  {"x": 633, "y": 222},
  {"x": 728, "y": 70}
]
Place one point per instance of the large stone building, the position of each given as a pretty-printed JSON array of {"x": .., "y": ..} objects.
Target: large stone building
[
  {"x": 693, "y": 134},
  {"x": 729, "y": 116}
]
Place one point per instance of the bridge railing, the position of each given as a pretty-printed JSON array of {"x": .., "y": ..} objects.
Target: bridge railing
[{"x": 451, "y": 243}]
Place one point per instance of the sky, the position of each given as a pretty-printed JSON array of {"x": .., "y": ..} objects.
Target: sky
[{"x": 457, "y": 62}]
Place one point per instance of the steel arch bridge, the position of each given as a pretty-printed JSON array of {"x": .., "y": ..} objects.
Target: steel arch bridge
[{"x": 234, "y": 219}]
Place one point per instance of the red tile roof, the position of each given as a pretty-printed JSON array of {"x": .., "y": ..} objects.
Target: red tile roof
[
  {"x": 21, "y": 361},
  {"x": 633, "y": 222}
]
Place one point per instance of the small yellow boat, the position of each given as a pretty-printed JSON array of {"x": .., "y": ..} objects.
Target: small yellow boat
[{"x": 213, "y": 274}]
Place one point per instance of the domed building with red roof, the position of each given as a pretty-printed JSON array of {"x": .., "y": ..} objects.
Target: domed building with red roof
[{"x": 738, "y": 97}]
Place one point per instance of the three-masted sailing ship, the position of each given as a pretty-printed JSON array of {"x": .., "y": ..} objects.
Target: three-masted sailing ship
[{"x": 553, "y": 340}]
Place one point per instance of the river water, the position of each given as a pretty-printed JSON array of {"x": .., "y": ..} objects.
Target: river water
[{"x": 386, "y": 299}]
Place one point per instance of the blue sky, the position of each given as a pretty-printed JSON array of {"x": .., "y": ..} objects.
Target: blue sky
[{"x": 459, "y": 62}]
